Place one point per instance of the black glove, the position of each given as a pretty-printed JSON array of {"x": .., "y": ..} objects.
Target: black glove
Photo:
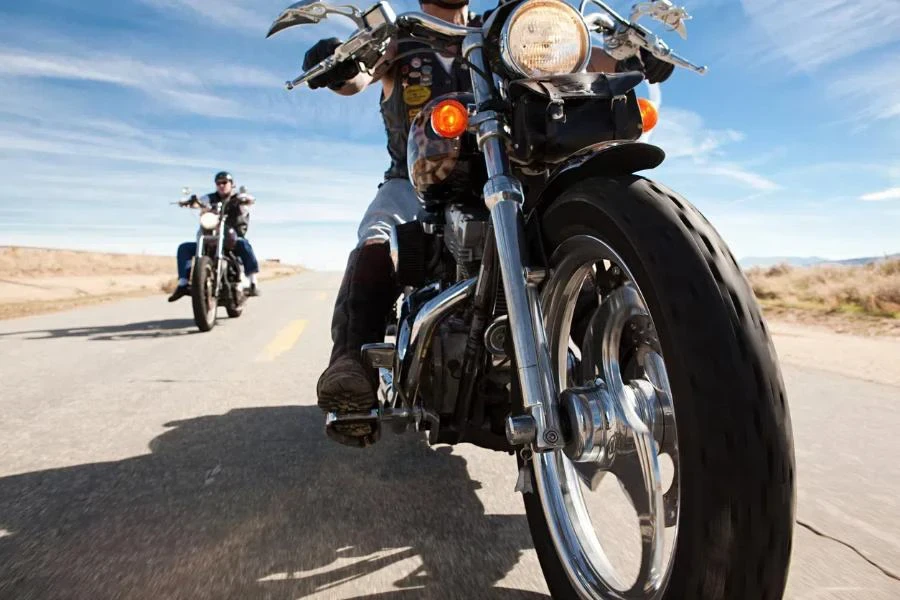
[
  {"x": 335, "y": 78},
  {"x": 655, "y": 70}
]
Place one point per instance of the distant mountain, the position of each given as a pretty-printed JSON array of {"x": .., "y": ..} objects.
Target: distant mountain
[{"x": 808, "y": 261}]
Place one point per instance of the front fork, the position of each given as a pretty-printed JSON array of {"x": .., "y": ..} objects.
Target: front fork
[
  {"x": 503, "y": 195},
  {"x": 201, "y": 247}
]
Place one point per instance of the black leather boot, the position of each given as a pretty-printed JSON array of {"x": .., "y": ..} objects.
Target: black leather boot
[{"x": 367, "y": 293}]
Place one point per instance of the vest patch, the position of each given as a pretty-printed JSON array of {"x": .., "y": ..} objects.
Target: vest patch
[{"x": 416, "y": 95}]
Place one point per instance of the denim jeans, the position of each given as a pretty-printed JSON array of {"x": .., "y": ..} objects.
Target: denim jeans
[
  {"x": 395, "y": 203},
  {"x": 243, "y": 249}
]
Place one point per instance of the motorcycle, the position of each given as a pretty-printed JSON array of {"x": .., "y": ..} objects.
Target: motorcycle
[
  {"x": 216, "y": 271},
  {"x": 587, "y": 319}
]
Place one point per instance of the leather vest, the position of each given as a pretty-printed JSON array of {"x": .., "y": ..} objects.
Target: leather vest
[{"x": 418, "y": 78}]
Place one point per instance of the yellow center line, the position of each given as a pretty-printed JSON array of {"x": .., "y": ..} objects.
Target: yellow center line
[{"x": 284, "y": 341}]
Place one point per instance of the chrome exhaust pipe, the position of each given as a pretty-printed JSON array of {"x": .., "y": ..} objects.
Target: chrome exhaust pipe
[{"x": 413, "y": 342}]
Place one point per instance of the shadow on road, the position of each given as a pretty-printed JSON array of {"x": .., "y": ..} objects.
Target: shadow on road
[
  {"x": 256, "y": 503},
  {"x": 141, "y": 330}
]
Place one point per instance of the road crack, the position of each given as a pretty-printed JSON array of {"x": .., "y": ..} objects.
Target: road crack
[{"x": 887, "y": 572}]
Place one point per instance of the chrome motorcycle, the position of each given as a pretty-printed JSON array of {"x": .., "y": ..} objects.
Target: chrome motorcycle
[
  {"x": 589, "y": 320},
  {"x": 216, "y": 271}
]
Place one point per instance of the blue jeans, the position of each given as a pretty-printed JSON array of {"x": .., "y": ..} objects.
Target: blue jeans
[{"x": 243, "y": 249}]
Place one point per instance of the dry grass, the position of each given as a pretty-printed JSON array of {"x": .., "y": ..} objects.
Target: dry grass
[
  {"x": 870, "y": 290},
  {"x": 18, "y": 262},
  {"x": 40, "y": 280}
]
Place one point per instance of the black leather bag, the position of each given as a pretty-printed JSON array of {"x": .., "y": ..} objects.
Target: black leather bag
[{"x": 555, "y": 117}]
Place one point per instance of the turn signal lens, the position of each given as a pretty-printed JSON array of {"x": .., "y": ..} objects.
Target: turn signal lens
[
  {"x": 649, "y": 114},
  {"x": 449, "y": 119}
]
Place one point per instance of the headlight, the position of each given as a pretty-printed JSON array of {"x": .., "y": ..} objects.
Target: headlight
[
  {"x": 209, "y": 221},
  {"x": 545, "y": 37}
]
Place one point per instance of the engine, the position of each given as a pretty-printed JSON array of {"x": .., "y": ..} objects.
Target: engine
[{"x": 465, "y": 229}]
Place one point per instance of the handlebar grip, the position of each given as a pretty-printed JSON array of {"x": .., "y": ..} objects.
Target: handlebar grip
[{"x": 323, "y": 67}]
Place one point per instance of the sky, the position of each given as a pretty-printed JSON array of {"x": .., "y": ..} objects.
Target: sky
[{"x": 790, "y": 144}]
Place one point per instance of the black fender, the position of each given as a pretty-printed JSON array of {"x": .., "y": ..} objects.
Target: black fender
[{"x": 622, "y": 157}]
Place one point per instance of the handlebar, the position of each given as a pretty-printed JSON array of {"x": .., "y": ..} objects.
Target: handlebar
[
  {"x": 379, "y": 25},
  {"x": 375, "y": 35},
  {"x": 627, "y": 36}
]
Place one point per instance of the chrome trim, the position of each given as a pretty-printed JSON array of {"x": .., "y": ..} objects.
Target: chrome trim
[
  {"x": 529, "y": 338},
  {"x": 520, "y": 430},
  {"x": 311, "y": 12},
  {"x": 412, "y": 19},
  {"x": 506, "y": 54},
  {"x": 412, "y": 353}
]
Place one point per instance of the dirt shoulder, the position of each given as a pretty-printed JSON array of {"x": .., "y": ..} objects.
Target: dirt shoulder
[
  {"x": 41, "y": 280},
  {"x": 869, "y": 357}
]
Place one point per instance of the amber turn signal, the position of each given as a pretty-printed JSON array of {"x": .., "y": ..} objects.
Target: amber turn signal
[
  {"x": 449, "y": 119},
  {"x": 649, "y": 114}
]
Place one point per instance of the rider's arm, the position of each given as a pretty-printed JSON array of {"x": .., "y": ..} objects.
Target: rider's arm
[
  {"x": 601, "y": 62},
  {"x": 380, "y": 72},
  {"x": 654, "y": 69}
]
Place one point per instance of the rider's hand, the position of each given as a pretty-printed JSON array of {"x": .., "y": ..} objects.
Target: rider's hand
[
  {"x": 338, "y": 75},
  {"x": 655, "y": 70},
  {"x": 190, "y": 201}
]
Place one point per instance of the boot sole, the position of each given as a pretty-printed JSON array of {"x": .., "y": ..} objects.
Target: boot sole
[{"x": 346, "y": 402}]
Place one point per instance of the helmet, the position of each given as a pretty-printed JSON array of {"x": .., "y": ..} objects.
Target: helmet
[
  {"x": 223, "y": 175},
  {"x": 444, "y": 170}
]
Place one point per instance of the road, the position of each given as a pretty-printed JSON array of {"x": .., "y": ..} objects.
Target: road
[{"x": 139, "y": 459}]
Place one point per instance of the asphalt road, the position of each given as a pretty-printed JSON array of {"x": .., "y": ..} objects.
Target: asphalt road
[{"x": 139, "y": 459}]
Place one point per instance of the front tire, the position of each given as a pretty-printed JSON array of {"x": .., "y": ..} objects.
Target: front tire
[
  {"x": 735, "y": 463},
  {"x": 205, "y": 302}
]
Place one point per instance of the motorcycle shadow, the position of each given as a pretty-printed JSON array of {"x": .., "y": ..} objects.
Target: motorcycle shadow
[
  {"x": 132, "y": 331},
  {"x": 256, "y": 503}
]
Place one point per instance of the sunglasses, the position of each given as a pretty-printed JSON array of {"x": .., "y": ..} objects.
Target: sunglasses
[{"x": 223, "y": 182}]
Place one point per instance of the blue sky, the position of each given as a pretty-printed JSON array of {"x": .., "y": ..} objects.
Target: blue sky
[{"x": 789, "y": 144}]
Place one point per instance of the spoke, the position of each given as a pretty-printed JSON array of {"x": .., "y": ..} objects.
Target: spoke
[
  {"x": 591, "y": 474},
  {"x": 637, "y": 469}
]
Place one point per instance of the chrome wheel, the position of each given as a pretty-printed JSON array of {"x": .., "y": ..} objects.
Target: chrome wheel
[{"x": 617, "y": 405}]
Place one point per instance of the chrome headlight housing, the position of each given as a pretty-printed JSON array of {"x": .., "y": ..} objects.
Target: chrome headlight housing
[
  {"x": 209, "y": 221},
  {"x": 545, "y": 37}
]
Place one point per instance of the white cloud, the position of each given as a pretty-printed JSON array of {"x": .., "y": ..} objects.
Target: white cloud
[
  {"x": 847, "y": 42},
  {"x": 179, "y": 87},
  {"x": 737, "y": 173},
  {"x": 871, "y": 90},
  {"x": 810, "y": 34},
  {"x": 888, "y": 194},
  {"x": 228, "y": 13},
  {"x": 683, "y": 134},
  {"x": 693, "y": 148}
]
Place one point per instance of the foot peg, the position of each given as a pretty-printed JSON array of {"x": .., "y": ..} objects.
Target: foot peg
[{"x": 359, "y": 429}]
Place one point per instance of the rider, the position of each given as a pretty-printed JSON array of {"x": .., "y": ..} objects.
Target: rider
[
  {"x": 368, "y": 290},
  {"x": 236, "y": 218}
]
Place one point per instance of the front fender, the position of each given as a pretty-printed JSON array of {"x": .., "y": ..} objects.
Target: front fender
[{"x": 610, "y": 159}]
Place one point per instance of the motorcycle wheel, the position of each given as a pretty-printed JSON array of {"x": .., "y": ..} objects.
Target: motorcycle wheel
[
  {"x": 205, "y": 301},
  {"x": 674, "y": 392}
]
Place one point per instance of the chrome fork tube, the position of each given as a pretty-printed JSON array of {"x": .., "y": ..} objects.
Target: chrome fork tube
[{"x": 503, "y": 196}]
